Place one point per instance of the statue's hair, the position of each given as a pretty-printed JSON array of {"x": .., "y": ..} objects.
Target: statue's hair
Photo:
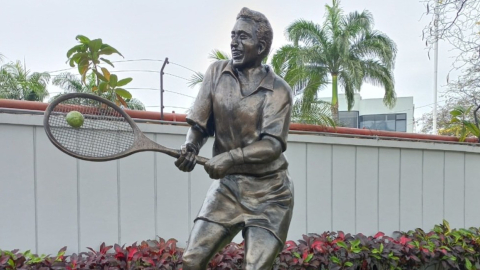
[{"x": 264, "y": 31}]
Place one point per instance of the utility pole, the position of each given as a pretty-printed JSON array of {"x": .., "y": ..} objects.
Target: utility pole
[{"x": 161, "y": 87}]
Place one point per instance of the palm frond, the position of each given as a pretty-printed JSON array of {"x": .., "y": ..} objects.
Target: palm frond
[
  {"x": 216, "y": 55},
  {"x": 356, "y": 23},
  {"x": 306, "y": 32},
  {"x": 38, "y": 82},
  {"x": 333, "y": 17},
  {"x": 68, "y": 82},
  {"x": 195, "y": 79},
  {"x": 291, "y": 63},
  {"x": 135, "y": 104},
  {"x": 348, "y": 81},
  {"x": 308, "y": 80},
  {"x": 352, "y": 67},
  {"x": 378, "y": 74},
  {"x": 312, "y": 111},
  {"x": 219, "y": 55},
  {"x": 280, "y": 59},
  {"x": 376, "y": 45},
  {"x": 16, "y": 82}
]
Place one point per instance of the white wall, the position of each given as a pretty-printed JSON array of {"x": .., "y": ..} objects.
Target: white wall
[
  {"x": 49, "y": 200},
  {"x": 343, "y": 105}
]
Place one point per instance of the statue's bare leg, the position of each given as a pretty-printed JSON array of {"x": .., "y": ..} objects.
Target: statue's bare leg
[
  {"x": 206, "y": 239},
  {"x": 261, "y": 249}
]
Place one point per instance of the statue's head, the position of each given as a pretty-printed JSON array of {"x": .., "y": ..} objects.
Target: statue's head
[{"x": 252, "y": 38}]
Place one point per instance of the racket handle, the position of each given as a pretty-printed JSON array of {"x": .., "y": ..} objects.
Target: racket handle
[
  {"x": 201, "y": 160},
  {"x": 176, "y": 153}
]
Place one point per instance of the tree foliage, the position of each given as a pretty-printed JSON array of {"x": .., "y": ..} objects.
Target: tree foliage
[
  {"x": 313, "y": 112},
  {"x": 88, "y": 57},
  {"x": 465, "y": 127},
  {"x": 458, "y": 23},
  {"x": 18, "y": 82},
  {"x": 464, "y": 93},
  {"x": 70, "y": 83},
  {"x": 444, "y": 125},
  {"x": 344, "y": 50}
]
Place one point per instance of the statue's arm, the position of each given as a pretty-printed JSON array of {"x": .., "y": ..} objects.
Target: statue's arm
[
  {"x": 274, "y": 131},
  {"x": 266, "y": 150},
  {"x": 197, "y": 137},
  {"x": 263, "y": 151}
]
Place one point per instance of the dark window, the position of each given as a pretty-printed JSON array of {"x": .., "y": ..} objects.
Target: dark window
[
  {"x": 368, "y": 117},
  {"x": 388, "y": 122},
  {"x": 348, "y": 119},
  {"x": 402, "y": 125},
  {"x": 379, "y": 117},
  {"x": 390, "y": 125},
  {"x": 367, "y": 121}
]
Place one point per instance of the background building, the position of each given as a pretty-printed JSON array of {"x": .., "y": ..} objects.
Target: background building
[{"x": 373, "y": 114}]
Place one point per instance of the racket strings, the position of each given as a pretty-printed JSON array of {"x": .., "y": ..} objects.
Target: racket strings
[{"x": 104, "y": 132}]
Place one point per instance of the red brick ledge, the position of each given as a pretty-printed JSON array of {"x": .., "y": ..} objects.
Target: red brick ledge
[{"x": 175, "y": 117}]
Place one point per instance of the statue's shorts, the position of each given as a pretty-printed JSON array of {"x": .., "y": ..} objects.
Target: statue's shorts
[{"x": 251, "y": 201}]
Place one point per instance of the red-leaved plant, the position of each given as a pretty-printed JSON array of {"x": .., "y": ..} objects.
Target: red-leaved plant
[{"x": 415, "y": 249}]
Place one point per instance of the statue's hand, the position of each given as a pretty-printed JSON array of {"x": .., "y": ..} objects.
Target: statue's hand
[
  {"x": 218, "y": 166},
  {"x": 186, "y": 162}
]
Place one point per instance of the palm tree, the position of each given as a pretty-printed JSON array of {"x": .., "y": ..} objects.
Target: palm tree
[
  {"x": 345, "y": 51},
  {"x": 16, "y": 82},
  {"x": 70, "y": 83},
  {"x": 315, "y": 112}
]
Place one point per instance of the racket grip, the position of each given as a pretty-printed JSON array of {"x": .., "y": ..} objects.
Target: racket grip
[
  {"x": 176, "y": 153},
  {"x": 201, "y": 160}
]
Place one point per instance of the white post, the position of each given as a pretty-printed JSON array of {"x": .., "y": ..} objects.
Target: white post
[{"x": 435, "y": 72}]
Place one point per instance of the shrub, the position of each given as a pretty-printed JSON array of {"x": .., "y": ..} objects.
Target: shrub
[{"x": 416, "y": 249}]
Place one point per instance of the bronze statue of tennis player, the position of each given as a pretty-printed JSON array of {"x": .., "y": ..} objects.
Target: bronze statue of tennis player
[{"x": 247, "y": 107}]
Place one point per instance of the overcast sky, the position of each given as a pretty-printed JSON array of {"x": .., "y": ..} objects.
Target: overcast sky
[{"x": 41, "y": 32}]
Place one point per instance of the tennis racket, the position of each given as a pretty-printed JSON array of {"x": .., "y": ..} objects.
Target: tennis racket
[{"x": 107, "y": 131}]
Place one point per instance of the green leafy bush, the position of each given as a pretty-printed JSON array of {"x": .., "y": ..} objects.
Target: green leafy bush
[
  {"x": 416, "y": 249},
  {"x": 88, "y": 56},
  {"x": 463, "y": 126}
]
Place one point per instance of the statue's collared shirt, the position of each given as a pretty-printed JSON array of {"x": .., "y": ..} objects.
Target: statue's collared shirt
[
  {"x": 239, "y": 120},
  {"x": 253, "y": 195}
]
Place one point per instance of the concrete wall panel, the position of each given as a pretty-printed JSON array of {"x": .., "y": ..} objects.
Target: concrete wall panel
[{"x": 349, "y": 184}]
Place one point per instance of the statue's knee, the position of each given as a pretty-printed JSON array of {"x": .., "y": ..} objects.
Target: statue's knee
[
  {"x": 194, "y": 259},
  {"x": 189, "y": 261},
  {"x": 257, "y": 266}
]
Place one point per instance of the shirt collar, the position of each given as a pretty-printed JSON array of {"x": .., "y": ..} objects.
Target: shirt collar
[{"x": 266, "y": 83}]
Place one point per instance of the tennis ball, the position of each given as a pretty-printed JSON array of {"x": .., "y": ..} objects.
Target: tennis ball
[{"x": 75, "y": 119}]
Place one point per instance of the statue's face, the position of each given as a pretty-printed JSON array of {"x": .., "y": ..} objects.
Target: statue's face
[{"x": 246, "y": 47}]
